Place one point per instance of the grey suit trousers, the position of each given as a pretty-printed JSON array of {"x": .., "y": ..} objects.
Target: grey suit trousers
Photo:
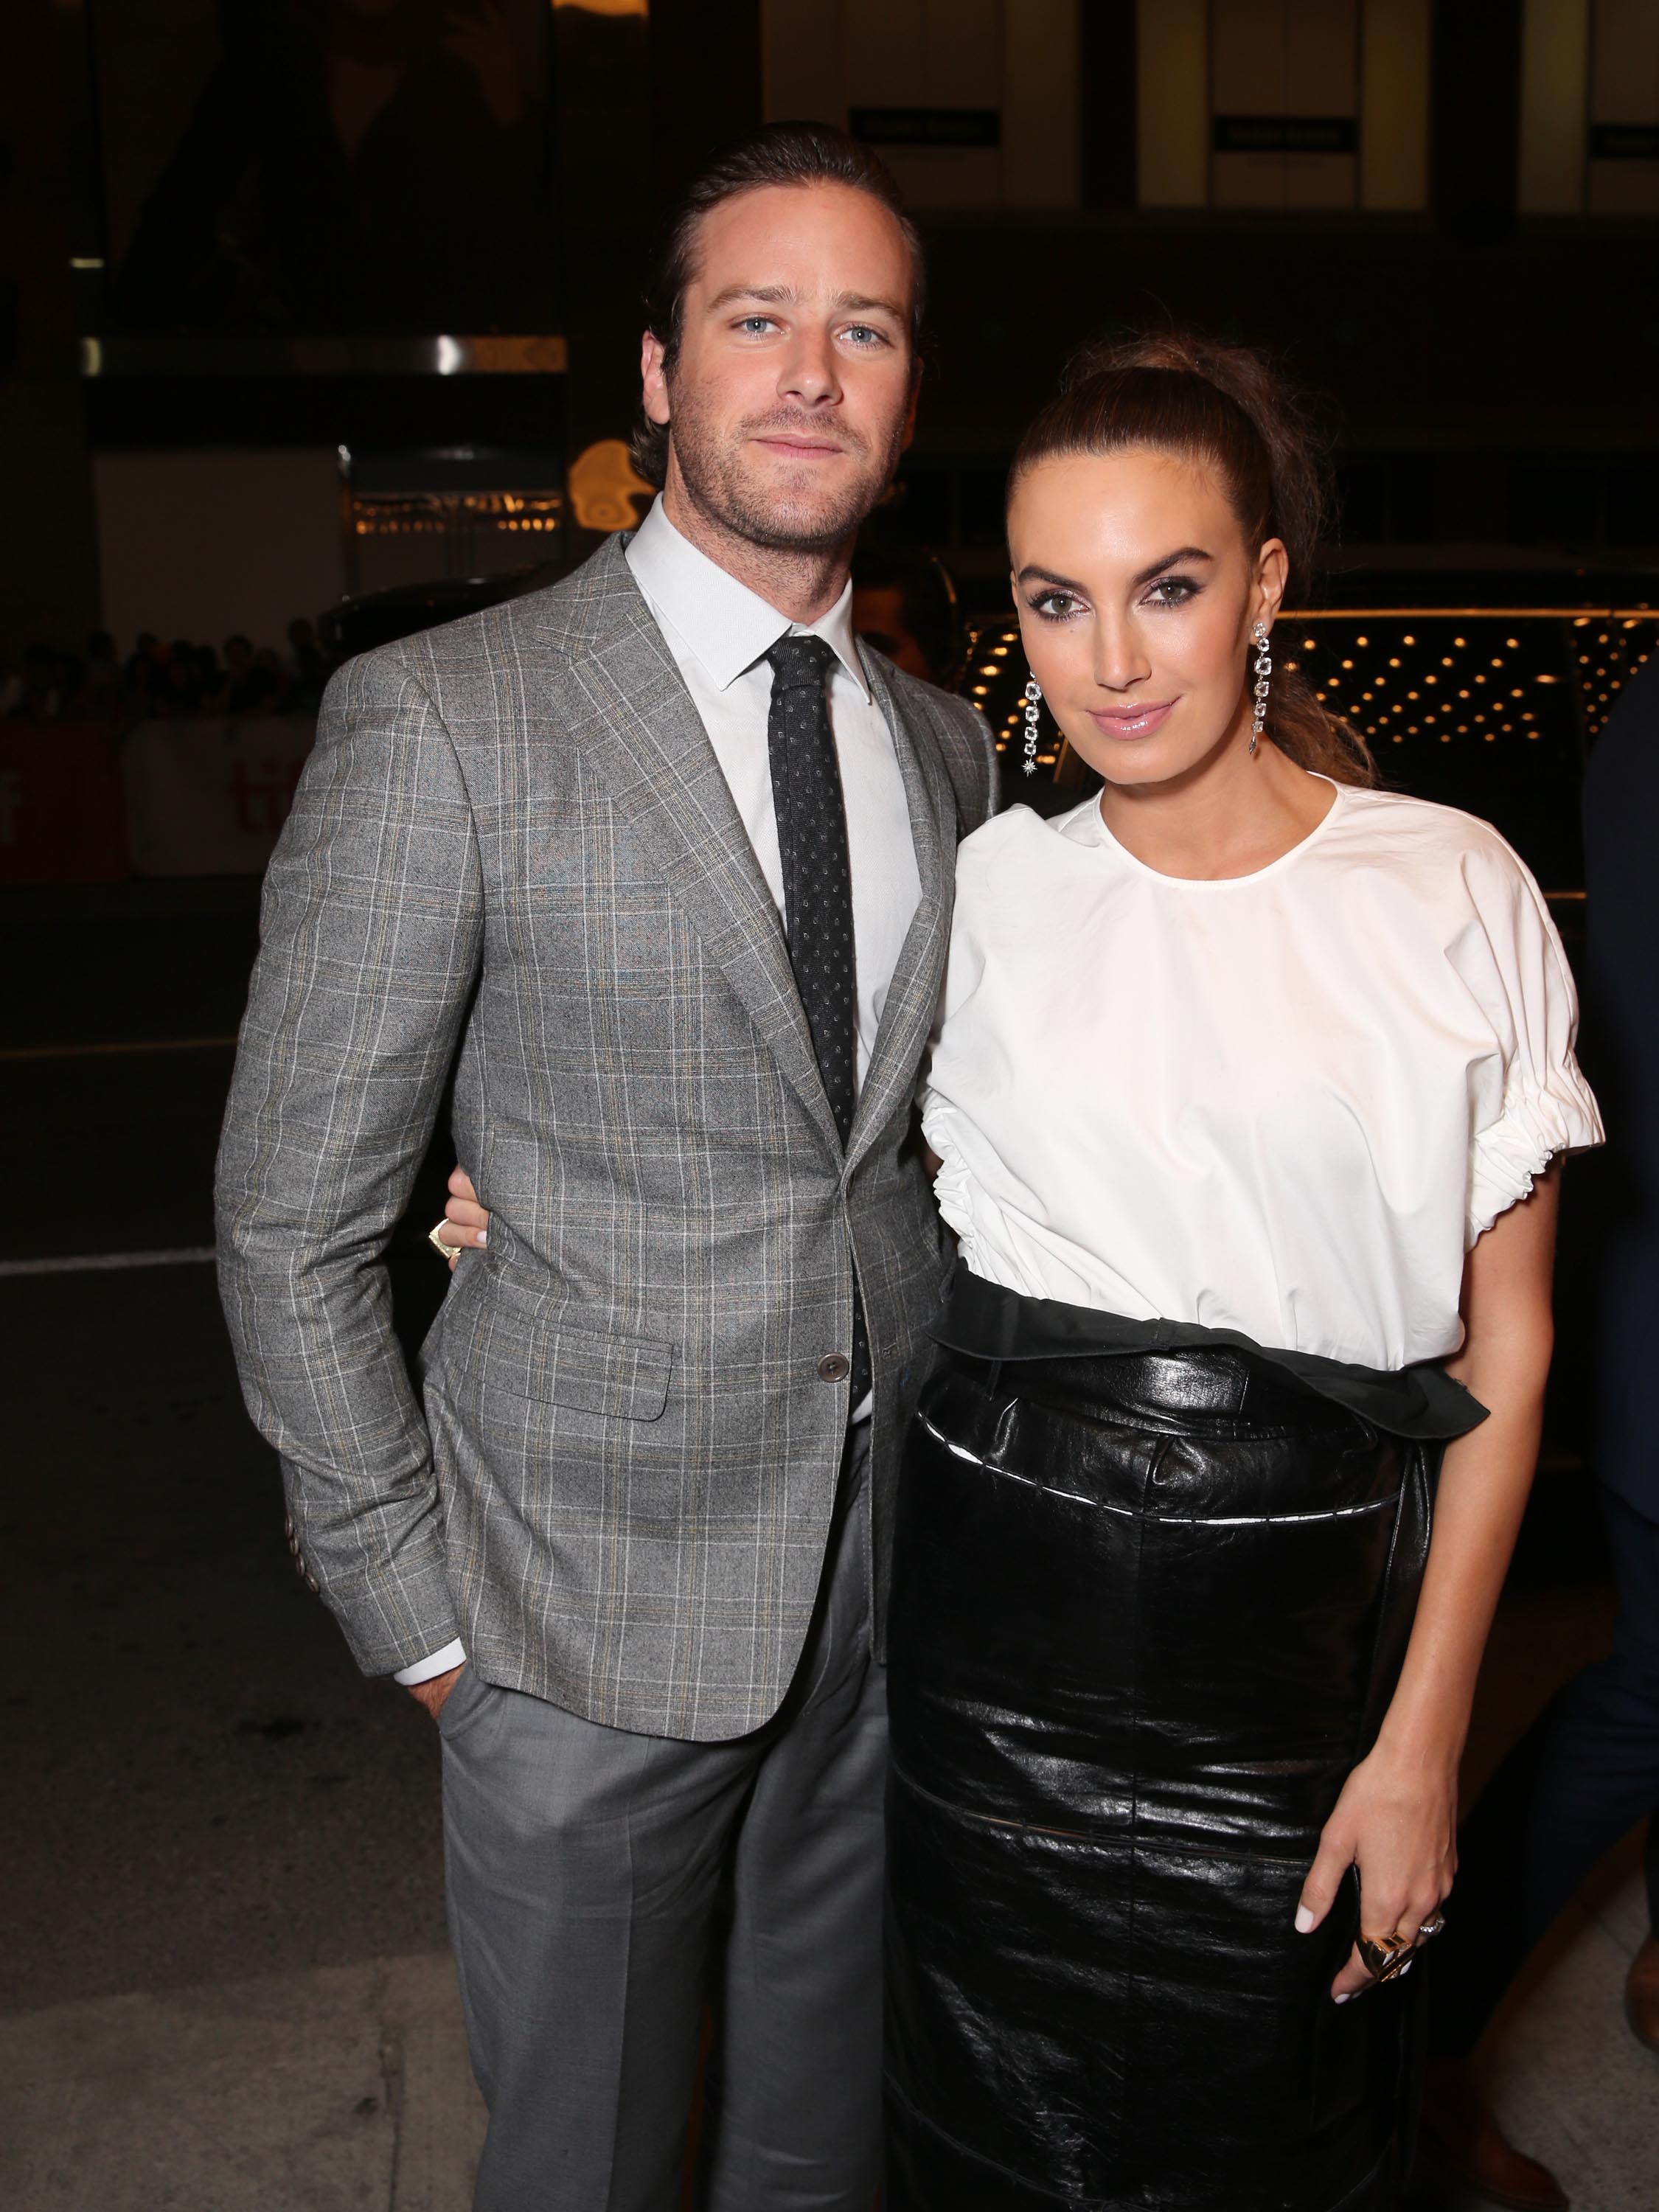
[{"x": 591, "y": 1875}]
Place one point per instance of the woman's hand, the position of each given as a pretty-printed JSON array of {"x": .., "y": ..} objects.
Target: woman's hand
[
  {"x": 466, "y": 1222},
  {"x": 1396, "y": 1822}
]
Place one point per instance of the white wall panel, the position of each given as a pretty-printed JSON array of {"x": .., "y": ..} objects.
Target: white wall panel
[
  {"x": 1043, "y": 104},
  {"x": 1623, "y": 89},
  {"x": 1172, "y": 156},
  {"x": 1395, "y": 74}
]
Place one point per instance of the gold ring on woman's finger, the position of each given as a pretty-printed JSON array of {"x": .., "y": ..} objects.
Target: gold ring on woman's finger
[
  {"x": 435, "y": 1237},
  {"x": 1385, "y": 1957},
  {"x": 1433, "y": 1926}
]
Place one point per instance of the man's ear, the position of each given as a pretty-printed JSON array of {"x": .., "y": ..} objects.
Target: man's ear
[{"x": 653, "y": 379}]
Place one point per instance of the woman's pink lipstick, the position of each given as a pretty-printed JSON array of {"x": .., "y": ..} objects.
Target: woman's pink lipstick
[{"x": 1133, "y": 721}]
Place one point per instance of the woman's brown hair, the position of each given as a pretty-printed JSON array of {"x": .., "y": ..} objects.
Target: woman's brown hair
[{"x": 1228, "y": 409}]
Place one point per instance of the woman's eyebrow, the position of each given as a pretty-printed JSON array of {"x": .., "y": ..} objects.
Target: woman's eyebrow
[
  {"x": 1031, "y": 573},
  {"x": 1170, "y": 560}
]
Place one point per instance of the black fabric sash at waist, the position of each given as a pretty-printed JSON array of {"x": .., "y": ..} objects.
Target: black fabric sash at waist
[{"x": 988, "y": 1321}]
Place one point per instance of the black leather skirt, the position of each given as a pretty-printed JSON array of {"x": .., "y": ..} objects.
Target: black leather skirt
[{"x": 1148, "y": 1610}]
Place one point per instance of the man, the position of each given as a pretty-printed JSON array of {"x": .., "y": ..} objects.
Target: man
[
  {"x": 666, "y": 861},
  {"x": 1587, "y": 1771}
]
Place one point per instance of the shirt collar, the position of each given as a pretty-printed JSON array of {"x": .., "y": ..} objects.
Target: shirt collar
[{"x": 725, "y": 626}]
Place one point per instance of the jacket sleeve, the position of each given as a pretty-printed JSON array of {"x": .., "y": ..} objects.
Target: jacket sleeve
[{"x": 370, "y": 939}]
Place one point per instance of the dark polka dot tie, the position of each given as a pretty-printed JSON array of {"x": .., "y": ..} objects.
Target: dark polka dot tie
[{"x": 818, "y": 886}]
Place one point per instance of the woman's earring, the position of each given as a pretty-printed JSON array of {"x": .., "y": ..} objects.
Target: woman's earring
[
  {"x": 1033, "y": 701},
  {"x": 1264, "y": 669}
]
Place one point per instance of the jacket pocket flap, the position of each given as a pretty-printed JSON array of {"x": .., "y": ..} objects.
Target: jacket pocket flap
[{"x": 551, "y": 1363}]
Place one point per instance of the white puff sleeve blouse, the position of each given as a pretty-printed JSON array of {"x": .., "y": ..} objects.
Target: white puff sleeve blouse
[{"x": 1284, "y": 1104}]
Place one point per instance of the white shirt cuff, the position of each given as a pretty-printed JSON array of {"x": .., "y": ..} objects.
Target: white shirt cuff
[{"x": 436, "y": 1662}]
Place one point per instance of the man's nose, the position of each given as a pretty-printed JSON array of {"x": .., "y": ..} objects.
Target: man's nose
[{"x": 812, "y": 373}]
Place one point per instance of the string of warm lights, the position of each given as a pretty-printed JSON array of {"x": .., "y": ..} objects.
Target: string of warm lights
[{"x": 426, "y": 514}]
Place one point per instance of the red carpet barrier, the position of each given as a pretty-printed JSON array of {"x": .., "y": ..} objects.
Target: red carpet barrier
[
  {"x": 207, "y": 797},
  {"x": 60, "y": 804}
]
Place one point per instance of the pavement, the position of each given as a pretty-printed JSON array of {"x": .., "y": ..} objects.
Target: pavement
[
  {"x": 329, "y": 2090},
  {"x": 223, "y": 1980}
]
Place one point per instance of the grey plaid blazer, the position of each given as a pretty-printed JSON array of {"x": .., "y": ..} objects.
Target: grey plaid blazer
[{"x": 513, "y": 852}]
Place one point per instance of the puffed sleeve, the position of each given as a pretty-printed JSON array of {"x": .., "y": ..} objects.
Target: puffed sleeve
[{"x": 1545, "y": 1105}]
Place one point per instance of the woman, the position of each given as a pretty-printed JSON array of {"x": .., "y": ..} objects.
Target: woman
[{"x": 1245, "y": 1095}]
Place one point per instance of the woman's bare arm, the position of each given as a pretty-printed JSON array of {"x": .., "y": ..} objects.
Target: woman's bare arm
[{"x": 1396, "y": 1819}]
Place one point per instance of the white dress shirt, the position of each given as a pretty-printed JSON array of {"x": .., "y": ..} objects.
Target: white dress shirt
[
  {"x": 720, "y": 633},
  {"x": 1284, "y": 1103}
]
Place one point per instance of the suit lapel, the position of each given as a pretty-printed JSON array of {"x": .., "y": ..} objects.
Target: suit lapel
[
  {"x": 907, "y": 1016},
  {"x": 645, "y": 737}
]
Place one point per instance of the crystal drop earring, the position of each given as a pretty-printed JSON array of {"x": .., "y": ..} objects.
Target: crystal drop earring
[
  {"x": 1264, "y": 669},
  {"x": 1033, "y": 701}
]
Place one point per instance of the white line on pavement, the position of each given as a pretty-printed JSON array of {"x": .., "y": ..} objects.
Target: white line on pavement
[{"x": 99, "y": 1263}]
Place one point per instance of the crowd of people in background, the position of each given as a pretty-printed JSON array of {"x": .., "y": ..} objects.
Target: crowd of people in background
[
  {"x": 904, "y": 602},
  {"x": 167, "y": 680}
]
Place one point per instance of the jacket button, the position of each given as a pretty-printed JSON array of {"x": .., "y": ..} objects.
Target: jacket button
[{"x": 835, "y": 1367}]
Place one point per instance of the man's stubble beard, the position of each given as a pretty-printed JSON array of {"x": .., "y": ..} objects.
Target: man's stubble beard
[{"x": 711, "y": 468}]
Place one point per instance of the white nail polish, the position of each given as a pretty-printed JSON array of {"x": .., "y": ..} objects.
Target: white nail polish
[
  {"x": 1304, "y": 1919},
  {"x": 1343, "y": 1999},
  {"x": 484, "y": 1238}
]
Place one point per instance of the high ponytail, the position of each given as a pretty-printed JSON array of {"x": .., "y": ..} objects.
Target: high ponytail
[{"x": 1227, "y": 407}]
